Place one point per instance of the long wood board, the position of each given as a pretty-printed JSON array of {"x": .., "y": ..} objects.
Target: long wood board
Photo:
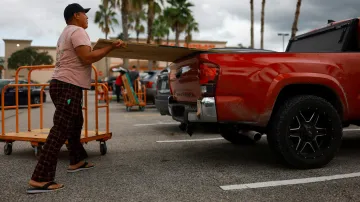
[{"x": 147, "y": 51}]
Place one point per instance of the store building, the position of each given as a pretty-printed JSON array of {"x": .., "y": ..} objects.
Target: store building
[{"x": 12, "y": 45}]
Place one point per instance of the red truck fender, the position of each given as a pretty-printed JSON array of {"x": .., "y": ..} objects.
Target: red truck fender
[{"x": 283, "y": 80}]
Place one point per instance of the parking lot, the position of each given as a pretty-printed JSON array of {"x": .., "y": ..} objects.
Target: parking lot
[{"x": 150, "y": 159}]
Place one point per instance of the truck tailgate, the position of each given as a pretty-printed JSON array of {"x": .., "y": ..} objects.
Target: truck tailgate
[{"x": 184, "y": 80}]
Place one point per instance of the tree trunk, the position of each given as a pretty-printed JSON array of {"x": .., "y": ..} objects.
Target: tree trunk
[
  {"x": 167, "y": 43},
  {"x": 177, "y": 36},
  {"x": 262, "y": 24},
  {"x": 297, "y": 13},
  {"x": 252, "y": 23},
  {"x": 124, "y": 18},
  {"x": 105, "y": 3},
  {"x": 106, "y": 61},
  {"x": 150, "y": 20},
  {"x": 150, "y": 24},
  {"x": 137, "y": 41}
]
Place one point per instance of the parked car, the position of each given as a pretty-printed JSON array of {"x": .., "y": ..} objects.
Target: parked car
[
  {"x": 149, "y": 80},
  {"x": 162, "y": 92},
  {"x": 9, "y": 94},
  {"x": 301, "y": 98}
]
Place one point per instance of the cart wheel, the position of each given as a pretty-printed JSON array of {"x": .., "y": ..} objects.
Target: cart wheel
[
  {"x": 128, "y": 109},
  {"x": 8, "y": 148},
  {"x": 103, "y": 148},
  {"x": 37, "y": 151},
  {"x": 141, "y": 108}
]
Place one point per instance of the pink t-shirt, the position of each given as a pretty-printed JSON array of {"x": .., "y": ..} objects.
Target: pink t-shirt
[{"x": 69, "y": 68}]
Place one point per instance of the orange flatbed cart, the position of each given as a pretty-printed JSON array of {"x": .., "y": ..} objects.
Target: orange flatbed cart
[{"x": 37, "y": 137}]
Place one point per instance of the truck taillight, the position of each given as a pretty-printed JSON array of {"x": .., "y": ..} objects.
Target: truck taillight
[{"x": 208, "y": 75}]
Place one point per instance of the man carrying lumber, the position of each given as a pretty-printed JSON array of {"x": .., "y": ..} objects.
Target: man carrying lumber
[{"x": 71, "y": 75}]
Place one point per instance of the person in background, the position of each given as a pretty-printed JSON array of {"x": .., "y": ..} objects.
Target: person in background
[
  {"x": 118, "y": 84},
  {"x": 133, "y": 74}
]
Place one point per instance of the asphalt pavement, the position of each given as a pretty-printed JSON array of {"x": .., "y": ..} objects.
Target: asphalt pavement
[{"x": 150, "y": 159}]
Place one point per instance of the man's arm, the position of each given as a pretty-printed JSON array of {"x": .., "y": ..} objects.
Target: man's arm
[
  {"x": 88, "y": 57},
  {"x": 81, "y": 42}
]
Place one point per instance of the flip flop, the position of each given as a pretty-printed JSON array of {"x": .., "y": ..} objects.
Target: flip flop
[
  {"x": 43, "y": 189},
  {"x": 83, "y": 167}
]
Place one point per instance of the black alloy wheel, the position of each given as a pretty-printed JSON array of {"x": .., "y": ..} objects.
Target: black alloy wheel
[{"x": 306, "y": 132}]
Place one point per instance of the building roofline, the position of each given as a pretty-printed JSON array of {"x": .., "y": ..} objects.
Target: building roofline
[
  {"x": 46, "y": 47},
  {"x": 5, "y": 40}
]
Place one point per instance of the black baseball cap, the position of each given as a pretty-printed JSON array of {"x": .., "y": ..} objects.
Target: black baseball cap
[{"x": 73, "y": 8}]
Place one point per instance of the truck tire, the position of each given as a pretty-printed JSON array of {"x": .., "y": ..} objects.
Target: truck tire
[
  {"x": 231, "y": 134},
  {"x": 305, "y": 132}
]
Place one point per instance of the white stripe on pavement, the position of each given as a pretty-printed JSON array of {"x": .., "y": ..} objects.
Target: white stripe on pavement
[
  {"x": 288, "y": 182},
  {"x": 154, "y": 124},
  {"x": 190, "y": 140},
  {"x": 351, "y": 129}
]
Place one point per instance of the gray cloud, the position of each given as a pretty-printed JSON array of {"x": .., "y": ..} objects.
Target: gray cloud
[{"x": 225, "y": 20}]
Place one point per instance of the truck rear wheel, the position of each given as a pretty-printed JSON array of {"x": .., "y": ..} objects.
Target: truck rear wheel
[{"x": 306, "y": 132}]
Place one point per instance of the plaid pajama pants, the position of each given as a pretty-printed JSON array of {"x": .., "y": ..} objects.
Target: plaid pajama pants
[{"x": 68, "y": 121}]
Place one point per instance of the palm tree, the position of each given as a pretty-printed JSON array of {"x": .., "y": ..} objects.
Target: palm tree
[
  {"x": 124, "y": 6},
  {"x": 262, "y": 23},
  {"x": 163, "y": 21},
  {"x": 192, "y": 26},
  {"x": 105, "y": 17},
  {"x": 178, "y": 14},
  {"x": 297, "y": 14},
  {"x": 105, "y": 3},
  {"x": 138, "y": 14},
  {"x": 252, "y": 23},
  {"x": 159, "y": 30},
  {"x": 153, "y": 8}
]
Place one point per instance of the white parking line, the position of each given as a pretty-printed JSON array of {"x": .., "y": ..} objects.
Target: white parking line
[
  {"x": 351, "y": 129},
  {"x": 190, "y": 140},
  {"x": 154, "y": 124},
  {"x": 288, "y": 182}
]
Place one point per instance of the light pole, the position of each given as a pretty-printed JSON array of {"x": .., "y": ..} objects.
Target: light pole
[{"x": 283, "y": 38}]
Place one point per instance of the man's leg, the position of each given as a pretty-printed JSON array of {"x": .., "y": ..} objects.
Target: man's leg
[
  {"x": 77, "y": 152},
  {"x": 117, "y": 88},
  {"x": 67, "y": 109}
]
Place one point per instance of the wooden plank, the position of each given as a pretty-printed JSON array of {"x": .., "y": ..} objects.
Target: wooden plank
[{"x": 147, "y": 51}]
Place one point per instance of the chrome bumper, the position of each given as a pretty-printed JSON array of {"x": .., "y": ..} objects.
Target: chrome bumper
[{"x": 205, "y": 111}]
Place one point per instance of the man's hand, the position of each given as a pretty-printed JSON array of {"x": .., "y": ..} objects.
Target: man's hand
[{"x": 118, "y": 44}]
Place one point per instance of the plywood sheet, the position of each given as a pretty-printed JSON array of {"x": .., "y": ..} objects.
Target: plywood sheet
[{"x": 147, "y": 51}]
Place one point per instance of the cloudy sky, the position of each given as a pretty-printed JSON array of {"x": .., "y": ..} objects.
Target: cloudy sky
[{"x": 223, "y": 20}]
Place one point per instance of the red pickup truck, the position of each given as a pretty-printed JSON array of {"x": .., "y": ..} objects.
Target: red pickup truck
[{"x": 301, "y": 99}]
